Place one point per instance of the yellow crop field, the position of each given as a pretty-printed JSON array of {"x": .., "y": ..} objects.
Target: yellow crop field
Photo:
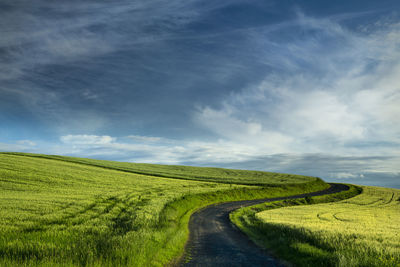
[{"x": 361, "y": 231}]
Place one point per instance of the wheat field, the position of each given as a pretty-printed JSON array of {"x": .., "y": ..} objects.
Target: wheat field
[
  {"x": 56, "y": 212},
  {"x": 361, "y": 231}
]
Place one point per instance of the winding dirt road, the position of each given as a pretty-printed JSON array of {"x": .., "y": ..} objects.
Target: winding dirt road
[{"x": 215, "y": 241}]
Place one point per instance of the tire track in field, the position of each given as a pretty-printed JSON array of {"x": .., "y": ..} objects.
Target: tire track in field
[{"x": 215, "y": 241}]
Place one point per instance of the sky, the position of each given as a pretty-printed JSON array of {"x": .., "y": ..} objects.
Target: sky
[{"x": 306, "y": 87}]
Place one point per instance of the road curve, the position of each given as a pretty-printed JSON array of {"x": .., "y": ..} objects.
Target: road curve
[{"x": 215, "y": 241}]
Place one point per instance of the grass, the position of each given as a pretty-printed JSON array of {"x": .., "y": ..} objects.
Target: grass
[
  {"x": 78, "y": 212},
  {"x": 218, "y": 175},
  {"x": 360, "y": 231}
]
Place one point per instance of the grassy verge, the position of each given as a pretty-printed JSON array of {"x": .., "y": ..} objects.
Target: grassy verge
[
  {"x": 360, "y": 231},
  {"x": 61, "y": 213},
  {"x": 177, "y": 214}
]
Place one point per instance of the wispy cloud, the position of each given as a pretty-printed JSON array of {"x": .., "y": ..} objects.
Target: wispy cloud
[
  {"x": 26, "y": 142},
  {"x": 87, "y": 139},
  {"x": 43, "y": 45},
  {"x": 147, "y": 139},
  {"x": 46, "y": 33},
  {"x": 347, "y": 94},
  {"x": 20, "y": 145}
]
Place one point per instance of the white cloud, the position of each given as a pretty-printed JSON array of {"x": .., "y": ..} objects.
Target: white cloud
[
  {"x": 247, "y": 132},
  {"x": 87, "y": 139},
  {"x": 11, "y": 147},
  {"x": 21, "y": 146},
  {"x": 26, "y": 142},
  {"x": 140, "y": 138},
  {"x": 343, "y": 98},
  {"x": 322, "y": 113}
]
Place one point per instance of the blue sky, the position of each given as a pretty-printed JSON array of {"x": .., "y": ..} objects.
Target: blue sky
[{"x": 307, "y": 87}]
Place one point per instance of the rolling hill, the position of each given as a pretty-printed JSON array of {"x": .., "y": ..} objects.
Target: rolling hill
[{"x": 58, "y": 210}]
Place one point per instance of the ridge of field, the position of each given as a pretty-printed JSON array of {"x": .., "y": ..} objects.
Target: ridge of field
[
  {"x": 361, "y": 231},
  {"x": 60, "y": 213},
  {"x": 209, "y": 174}
]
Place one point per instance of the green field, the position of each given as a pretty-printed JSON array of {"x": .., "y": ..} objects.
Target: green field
[
  {"x": 361, "y": 231},
  {"x": 218, "y": 175},
  {"x": 80, "y": 212}
]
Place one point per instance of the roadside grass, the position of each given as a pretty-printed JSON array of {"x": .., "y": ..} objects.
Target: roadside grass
[
  {"x": 359, "y": 231},
  {"x": 61, "y": 213}
]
